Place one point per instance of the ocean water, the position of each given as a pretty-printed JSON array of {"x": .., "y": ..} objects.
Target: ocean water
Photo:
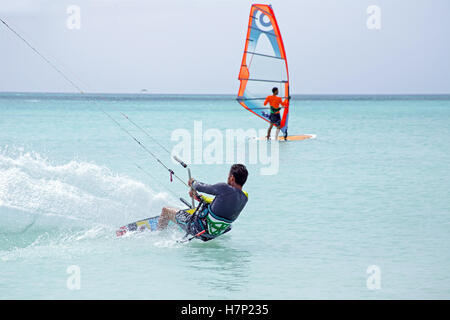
[{"x": 371, "y": 192}]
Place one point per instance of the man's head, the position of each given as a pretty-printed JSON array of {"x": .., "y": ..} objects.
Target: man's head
[
  {"x": 275, "y": 90},
  {"x": 238, "y": 174}
]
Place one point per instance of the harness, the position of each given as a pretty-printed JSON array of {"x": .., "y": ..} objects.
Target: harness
[
  {"x": 212, "y": 225},
  {"x": 274, "y": 110}
]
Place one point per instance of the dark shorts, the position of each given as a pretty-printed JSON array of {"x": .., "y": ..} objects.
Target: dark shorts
[
  {"x": 275, "y": 119},
  {"x": 189, "y": 222}
]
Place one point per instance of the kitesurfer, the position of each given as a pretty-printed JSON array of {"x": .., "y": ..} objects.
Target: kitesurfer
[
  {"x": 213, "y": 216},
  {"x": 274, "y": 101}
]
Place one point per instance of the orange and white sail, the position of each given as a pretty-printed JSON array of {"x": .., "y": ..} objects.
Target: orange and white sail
[{"x": 264, "y": 65}]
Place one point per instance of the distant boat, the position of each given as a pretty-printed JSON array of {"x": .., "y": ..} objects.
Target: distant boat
[{"x": 144, "y": 91}]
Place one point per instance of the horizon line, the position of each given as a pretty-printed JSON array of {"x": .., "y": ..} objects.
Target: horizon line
[{"x": 222, "y": 94}]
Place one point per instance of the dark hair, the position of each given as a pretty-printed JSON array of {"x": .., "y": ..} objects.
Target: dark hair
[
  {"x": 274, "y": 89},
  {"x": 240, "y": 173}
]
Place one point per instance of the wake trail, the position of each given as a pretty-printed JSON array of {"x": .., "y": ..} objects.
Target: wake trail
[{"x": 38, "y": 197}]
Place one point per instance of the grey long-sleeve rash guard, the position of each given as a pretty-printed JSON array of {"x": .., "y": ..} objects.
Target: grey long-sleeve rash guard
[{"x": 228, "y": 202}]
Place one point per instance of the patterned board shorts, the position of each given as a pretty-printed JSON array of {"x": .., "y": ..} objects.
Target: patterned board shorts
[{"x": 189, "y": 222}]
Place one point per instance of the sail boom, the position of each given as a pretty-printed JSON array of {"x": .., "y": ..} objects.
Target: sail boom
[{"x": 244, "y": 99}]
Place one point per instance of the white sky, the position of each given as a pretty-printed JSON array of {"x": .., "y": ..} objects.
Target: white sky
[{"x": 176, "y": 46}]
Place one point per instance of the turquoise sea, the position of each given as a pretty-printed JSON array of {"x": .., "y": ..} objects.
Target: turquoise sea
[{"x": 371, "y": 192}]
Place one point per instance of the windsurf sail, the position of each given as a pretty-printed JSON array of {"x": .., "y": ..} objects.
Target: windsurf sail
[{"x": 264, "y": 65}]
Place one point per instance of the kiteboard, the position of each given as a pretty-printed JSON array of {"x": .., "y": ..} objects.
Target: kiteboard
[{"x": 141, "y": 225}]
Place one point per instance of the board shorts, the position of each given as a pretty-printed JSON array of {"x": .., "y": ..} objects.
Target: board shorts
[
  {"x": 275, "y": 119},
  {"x": 189, "y": 222}
]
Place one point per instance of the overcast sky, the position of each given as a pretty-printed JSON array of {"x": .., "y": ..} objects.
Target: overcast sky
[{"x": 183, "y": 46}]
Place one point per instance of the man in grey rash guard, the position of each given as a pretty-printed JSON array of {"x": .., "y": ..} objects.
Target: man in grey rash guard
[{"x": 214, "y": 217}]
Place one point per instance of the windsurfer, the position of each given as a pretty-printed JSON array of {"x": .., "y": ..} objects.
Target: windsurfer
[{"x": 275, "y": 119}]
